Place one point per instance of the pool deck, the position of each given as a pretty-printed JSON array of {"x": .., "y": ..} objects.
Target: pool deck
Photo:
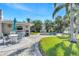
[{"x": 27, "y": 47}]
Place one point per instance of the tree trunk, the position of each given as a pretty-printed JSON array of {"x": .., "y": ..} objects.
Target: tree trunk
[
  {"x": 78, "y": 26},
  {"x": 77, "y": 29},
  {"x": 73, "y": 37},
  {"x": 78, "y": 17}
]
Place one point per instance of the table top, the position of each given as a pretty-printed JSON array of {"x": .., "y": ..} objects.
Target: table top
[{"x": 13, "y": 35}]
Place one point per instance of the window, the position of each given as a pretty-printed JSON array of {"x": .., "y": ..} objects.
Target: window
[
  {"x": 9, "y": 25},
  {"x": 19, "y": 28}
]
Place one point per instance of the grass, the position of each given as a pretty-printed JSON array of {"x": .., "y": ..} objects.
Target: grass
[
  {"x": 58, "y": 46},
  {"x": 77, "y": 36},
  {"x": 34, "y": 33}
]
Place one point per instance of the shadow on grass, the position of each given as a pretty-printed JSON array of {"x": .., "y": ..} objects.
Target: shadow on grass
[
  {"x": 67, "y": 50},
  {"x": 53, "y": 51},
  {"x": 64, "y": 37}
]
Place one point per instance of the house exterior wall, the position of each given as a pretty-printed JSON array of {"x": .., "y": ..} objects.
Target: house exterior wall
[
  {"x": 6, "y": 29},
  {"x": 24, "y": 31},
  {"x": 0, "y": 21}
]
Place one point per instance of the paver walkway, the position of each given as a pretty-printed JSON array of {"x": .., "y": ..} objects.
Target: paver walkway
[{"x": 27, "y": 47}]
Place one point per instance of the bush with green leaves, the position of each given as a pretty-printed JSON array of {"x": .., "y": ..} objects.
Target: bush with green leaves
[{"x": 55, "y": 46}]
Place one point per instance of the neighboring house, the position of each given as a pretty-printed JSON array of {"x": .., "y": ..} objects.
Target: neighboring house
[
  {"x": 6, "y": 26},
  {"x": 21, "y": 27}
]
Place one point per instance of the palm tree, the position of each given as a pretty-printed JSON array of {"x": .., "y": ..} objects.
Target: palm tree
[
  {"x": 77, "y": 17},
  {"x": 37, "y": 25},
  {"x": 65, "y": 21},
  {"x": 48, "y": 25},
  {"x": 69, "y": 11},
  {"x": 59, "y": 24}
]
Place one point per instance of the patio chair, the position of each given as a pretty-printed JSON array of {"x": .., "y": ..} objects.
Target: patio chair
[
  {"x": 4, "y": 39},
  {"x": 1, "y": 38},
  {"x": 1, "y": 35}
]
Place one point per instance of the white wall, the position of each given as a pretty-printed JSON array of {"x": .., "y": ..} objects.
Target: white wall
[
  {"x": 6, "y": 29},
  {"x": 0, "y": 21}
]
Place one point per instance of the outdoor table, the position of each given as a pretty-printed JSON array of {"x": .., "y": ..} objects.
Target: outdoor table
[
  {"x": 21, "y": 34},
  {"x": 13, "y": 38}
]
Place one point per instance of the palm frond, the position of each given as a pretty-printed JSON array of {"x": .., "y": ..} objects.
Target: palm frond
[
  {"x": 58, "y": 8},
  {"x": 67, "y": 7},
  {"x": 55, "y": 4}
]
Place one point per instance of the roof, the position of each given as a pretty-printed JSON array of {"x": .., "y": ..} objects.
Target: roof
[{"x": 18, "y": 23}]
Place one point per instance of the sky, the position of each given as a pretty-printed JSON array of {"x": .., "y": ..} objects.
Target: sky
[{"x": 34, "y": 11}]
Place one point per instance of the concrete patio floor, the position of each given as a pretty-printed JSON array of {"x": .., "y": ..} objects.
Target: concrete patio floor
[{"x": 27, "y": 47}]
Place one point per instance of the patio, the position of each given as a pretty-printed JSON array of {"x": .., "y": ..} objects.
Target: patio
[{"x": 28, "y": 46}]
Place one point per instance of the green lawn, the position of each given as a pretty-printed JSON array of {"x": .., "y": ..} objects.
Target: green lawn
[
  {"x": 34, "y": 33},
  {"x": 58, "y": 46}
]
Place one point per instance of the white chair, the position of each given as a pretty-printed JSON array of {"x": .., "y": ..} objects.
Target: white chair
[
  {"x": 2, "y": 38},
  {"x": 1, "y": 35}
]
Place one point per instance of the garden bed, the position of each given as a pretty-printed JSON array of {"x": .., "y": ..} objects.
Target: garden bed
[{"x": 58, "y": 46}]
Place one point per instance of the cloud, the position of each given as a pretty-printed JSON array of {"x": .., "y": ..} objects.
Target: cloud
[
  {"x": 26, "y": 8},
  {"x": 19, "y": 6}
]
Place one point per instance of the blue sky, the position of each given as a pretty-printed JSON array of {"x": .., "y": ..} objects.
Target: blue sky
[{"x": 34, "y": 11}]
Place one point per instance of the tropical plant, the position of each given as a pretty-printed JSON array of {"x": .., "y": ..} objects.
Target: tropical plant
[
  {"x": 48, "y": 25},
  {"x": 66, "y": 22},
  {"x": 69, "y": 11},
  {"x": 37, "y": 25},
  {"x": 59, "y": 24}
]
